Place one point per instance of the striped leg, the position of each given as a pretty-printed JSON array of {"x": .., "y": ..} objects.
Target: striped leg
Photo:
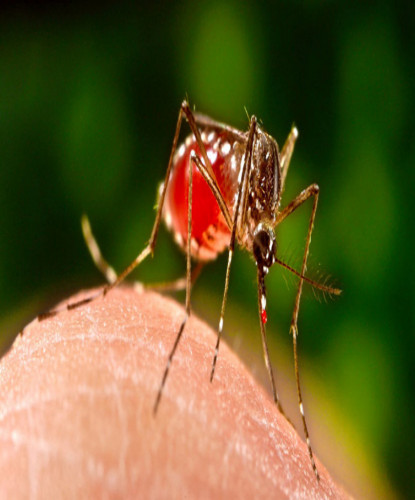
[
  {"x": 208, "y": 175},
  {"x": 109, "y": 273},
  {"x": 244, "y": 182},
  {"x": 311, "y": 191},
  {"x": 188, "y": 288}
]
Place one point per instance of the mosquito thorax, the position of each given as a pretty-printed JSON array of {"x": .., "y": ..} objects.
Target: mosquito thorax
[
  {"x": 265, "y": 178},
  {"x": 264, "y": 188}
]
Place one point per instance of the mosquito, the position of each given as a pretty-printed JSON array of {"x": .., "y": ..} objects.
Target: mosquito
[{"x": 224, "y": 186}]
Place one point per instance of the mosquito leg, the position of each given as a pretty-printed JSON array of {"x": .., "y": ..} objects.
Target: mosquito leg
[
  {"x": 95, "y": 251},
  {"x": 244, "y": 182},
  {"x": 222, "y": 311},
  {"x": 111, "y": 275},
  {"x": 172, "y": 286},
  {"x": 286, "y": 153},
  {"x": 300, "y": 403},
  {"x": 149, "y": 249},
  {"x": 208, "y": 174},
  {"x": 311, "y": 191},
  {"x": 188, "y": 289},
  {"x": 261, "y": 311},
  {"x": 206, "y": 167}
]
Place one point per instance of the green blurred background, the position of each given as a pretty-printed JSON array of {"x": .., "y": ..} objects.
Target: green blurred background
[{"x": 89, "y": 97}]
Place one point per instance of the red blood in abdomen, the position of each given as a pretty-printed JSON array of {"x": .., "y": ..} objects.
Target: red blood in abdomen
[{"x": 209, "y": 228}]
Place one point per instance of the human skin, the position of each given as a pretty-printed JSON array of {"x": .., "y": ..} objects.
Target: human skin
[{"x": 76, "y": 412}]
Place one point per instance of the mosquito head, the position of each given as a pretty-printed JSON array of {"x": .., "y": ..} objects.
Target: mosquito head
[{"x": 264, "y": 246}]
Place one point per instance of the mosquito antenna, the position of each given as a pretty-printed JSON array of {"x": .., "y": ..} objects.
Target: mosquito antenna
[{"x": 320, "y": 286}]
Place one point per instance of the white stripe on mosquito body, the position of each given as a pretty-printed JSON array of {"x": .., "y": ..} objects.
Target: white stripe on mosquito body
[
  {"x": 181, "y": 151},
  {"x": 265, "y": 270},
  {"x": 225, "y": 148},
  {"x": 194, "y": 246},
  {"x": 230, "y": 255},
  {"x": 190, "y": 139},
  {"x": 178, "y": 238},
  {"x": 241, "y": 169},
  {"x": 211, "y": 137},
  {"x": 212, "y": 155},
  {"x": 234, "y": 163},
  {"x": 167, "y": 219},
  {"x": 263, "y": 302},
  {"x": 216, "y": 144}
]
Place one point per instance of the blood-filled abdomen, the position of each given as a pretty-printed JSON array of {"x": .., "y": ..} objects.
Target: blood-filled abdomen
[{"x": 210, "y": 234}]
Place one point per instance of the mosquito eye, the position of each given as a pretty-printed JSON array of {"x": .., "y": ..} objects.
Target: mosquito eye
[{"x": 264, "y": 246}]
